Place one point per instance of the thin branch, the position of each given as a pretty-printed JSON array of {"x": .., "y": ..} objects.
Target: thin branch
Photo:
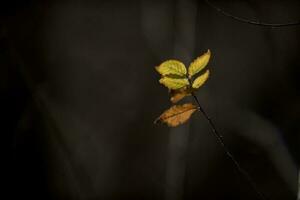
[
  {"x": 227, "y": 151},
  {"x": 248, "y": 21},
  {"x": 298, "y": 198}
]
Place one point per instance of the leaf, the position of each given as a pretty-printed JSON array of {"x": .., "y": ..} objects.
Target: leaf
[
  {"x": 170, "y": 67},
  {"x": 174, "y": 83},
  {"x": 177, "y": 95},
  {"x": 200, "y": 80},
  {"x": 199, "y": 63},
  {"x": 177, "y": 114}
]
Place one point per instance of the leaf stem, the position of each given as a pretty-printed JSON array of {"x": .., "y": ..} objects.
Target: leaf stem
[{"x": 227, "y": 151}]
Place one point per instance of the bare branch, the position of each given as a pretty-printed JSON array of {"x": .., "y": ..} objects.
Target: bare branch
[{"x": 248, "y": 21}]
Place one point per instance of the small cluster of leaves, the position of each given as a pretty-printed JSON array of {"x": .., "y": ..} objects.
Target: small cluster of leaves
[{"x": 181, "y": 83}]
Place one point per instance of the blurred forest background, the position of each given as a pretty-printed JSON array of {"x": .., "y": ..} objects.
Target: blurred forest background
[{"x": 79, "y": 95}]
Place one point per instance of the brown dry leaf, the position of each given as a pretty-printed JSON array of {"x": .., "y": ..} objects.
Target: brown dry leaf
[
  {"x": 177, "y": 95},
  {"x": 177, "y": 114}
]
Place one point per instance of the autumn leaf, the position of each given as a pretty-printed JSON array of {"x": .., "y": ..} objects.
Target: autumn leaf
[
  {"x": 172, "y": 67},
  {"x": 177, "y": 114},
  {"x": 173, "y": 82},
  {"x": 177, "y": 95},
  {"x": 181, "y": 83},
  {"x": 200, "y": 80},
  {"x": 199, "y": 63}
]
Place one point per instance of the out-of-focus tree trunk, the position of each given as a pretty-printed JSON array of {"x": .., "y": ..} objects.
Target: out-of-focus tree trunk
[
  {"x": 182, "y": 16},
  {"x": 184, "y": 44}
]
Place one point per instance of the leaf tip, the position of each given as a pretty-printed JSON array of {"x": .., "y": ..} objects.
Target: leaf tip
[
  {"x": 208, "y": 51},
  {"x": 157, "y": 121}
]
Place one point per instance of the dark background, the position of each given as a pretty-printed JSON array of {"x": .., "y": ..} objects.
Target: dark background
[{"x": 79, "y": 94}]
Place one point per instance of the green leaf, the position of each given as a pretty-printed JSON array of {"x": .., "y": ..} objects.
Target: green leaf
[
  {"x": 172, "y": 67},
  {"x": 200, "y": 80},
  {"x": 199, "y": 63},
  {"x": 174, "y": 83}
]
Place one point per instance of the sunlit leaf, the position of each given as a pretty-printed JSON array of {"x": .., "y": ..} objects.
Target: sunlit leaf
[
  {"x": 173, "y": 67},
  {"x": 177, "y": 95},
  {"x": 177, "y": 114},
  {"x": 174, "y": 83},
  {"x": 200, "y": 80},
  {"x": 199, "y": 63},
  {"x": 180, "y": 84}
]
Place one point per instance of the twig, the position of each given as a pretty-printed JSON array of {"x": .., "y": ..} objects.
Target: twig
[
  {"x": 227, "y": 151},
  {"x": 248, "y": 21},
  {"x": 298, "y": 198}
]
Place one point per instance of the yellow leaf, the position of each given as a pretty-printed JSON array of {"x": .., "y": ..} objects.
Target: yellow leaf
[
  {"x": 174, "y": 83},
  {"x": 177, "y": 95},
  {"x": 177, "y": 114},
  {"x": 199, "y": 63},
  {"x": 200, "y": 80},
  {"x": 171, "y": 67}
]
